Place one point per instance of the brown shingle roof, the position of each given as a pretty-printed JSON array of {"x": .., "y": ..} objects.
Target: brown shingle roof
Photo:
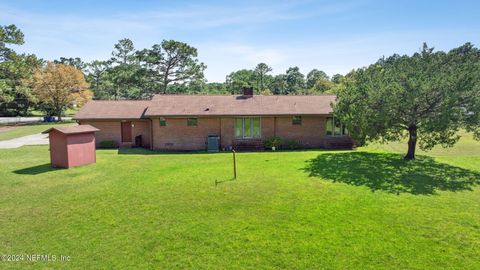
[
  {"x": 207, "y": 105},
  {"x": 73, "y": 129},
  {"x": 191, "y": 105},
  {"x": 110, "y": 109}
]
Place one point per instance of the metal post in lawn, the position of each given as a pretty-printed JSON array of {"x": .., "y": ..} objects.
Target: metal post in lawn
[{"x": 234, "y": 165}]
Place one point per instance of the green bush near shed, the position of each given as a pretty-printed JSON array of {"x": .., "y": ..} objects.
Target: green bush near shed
[{"x": 108, "y": 144}]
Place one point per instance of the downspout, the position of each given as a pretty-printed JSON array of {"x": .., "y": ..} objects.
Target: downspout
[
  {"x": 151, "y": 133},
  {"x": 220, "y": 130},
  {"x": 274, "y": 126}
]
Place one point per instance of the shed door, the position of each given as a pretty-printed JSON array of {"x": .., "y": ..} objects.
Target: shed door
[{"x": 127, "y": 131}]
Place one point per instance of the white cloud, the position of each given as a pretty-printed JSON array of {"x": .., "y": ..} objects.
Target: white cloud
[
  {"x": 332, "y": 56},
  {"x": 223, "y": 58},
  {"x": 200, "y": 16},
  {"x": 252, "y": 55},
  {"x": 228, "y": 37}
]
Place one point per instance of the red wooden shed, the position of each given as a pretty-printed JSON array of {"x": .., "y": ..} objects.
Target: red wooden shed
[{"x": 72, "y": 146}]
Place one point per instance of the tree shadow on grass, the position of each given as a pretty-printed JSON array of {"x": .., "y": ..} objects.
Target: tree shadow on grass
[
  {"x": 37, "y": 169},
  {"x": 389, "y": 172}
]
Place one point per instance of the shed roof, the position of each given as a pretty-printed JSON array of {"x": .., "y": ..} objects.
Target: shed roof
[
  {"x": 73, "y": 129},
  {"x": 113, "y": 109},
  {"x": 190, "y": 105}
]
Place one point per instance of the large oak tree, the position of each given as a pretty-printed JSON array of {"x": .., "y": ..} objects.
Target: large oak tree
[
  {"x": 427, "y": 97},
  {"x": 58, "y": 86},
  {"x": 295, "y": 81},
  {"x": 316, "y": 75},
  {"x": 239, "y": 79}
]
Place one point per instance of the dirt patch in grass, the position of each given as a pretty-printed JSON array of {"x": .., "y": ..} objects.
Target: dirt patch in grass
[{"x": 7, "y": 128}]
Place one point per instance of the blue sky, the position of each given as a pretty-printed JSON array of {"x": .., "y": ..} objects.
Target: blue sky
[{"x": 334, "y": 36}]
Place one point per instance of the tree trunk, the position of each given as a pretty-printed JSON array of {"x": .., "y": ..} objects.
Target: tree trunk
[
  {"x": 59, "y": 115},
  {"x": 412, "y": 142},
  {"x": 164, "y": 88},
  {"x": 261, "y": 83},
  {"x": 165, "y": 79}
]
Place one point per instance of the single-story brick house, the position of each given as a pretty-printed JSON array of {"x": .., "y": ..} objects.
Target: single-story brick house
[{"x": 183, "y": 122}]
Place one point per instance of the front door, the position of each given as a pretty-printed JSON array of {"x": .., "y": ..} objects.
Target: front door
[{"x": 127, "y": 131}]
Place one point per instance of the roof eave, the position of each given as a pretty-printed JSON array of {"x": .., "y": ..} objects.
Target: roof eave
[
  {"x": 108, "y": 118},
  {"x": 76, "y": 132},
  {"x": 238, "y": 115}
]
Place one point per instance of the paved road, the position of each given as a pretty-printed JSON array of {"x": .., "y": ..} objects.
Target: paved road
[
  {"x": 15, "y": 120},
  {"x": 35, "y": 139}
]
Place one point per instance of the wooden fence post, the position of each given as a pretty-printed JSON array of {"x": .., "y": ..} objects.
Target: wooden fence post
[{"x": 234, "y": 166}]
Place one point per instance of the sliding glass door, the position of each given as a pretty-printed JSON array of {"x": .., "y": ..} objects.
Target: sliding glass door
[{"x": 247, "y": 127}]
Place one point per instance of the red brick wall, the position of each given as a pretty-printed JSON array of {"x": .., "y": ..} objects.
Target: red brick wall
[
  {"x": 111, "y": 130},
  {"x": 176, "y": 135},
  {"x": 228, "y": 131},
  {"x": 142, "y": 128},
  {"x": 268, "y": 127},
  {"x": 310, "y": 133}
]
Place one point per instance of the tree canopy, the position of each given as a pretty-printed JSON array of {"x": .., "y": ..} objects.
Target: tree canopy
[
  {"x": 295, "y": 81},
  {"x": 426, "y": 97},
  {"x": 237, "y": 80},
  {"x": 58, "y": 87},
  {"x": 314, "y": 76},
  {"x": 173, "y": 62},
  {"x": 260, "y": 72},
  {"x": 9, "y": 34},
  {"x": 129, "y": 73},
  {"x": 16, "y": 98}
]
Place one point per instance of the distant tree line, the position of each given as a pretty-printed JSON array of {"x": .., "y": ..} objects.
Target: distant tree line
[
  {"x": 171, "y": 67},
  {"x": 292, "y": 82},
  {"x": 168, "y": 67}
]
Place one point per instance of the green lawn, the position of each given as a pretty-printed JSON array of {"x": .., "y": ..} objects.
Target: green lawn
[
  {"x": 29, "y": 129},
  {"x": 68, "y": 112},
  {"x": 364, "y": 209},
  {"x": 466, "y": 146}
]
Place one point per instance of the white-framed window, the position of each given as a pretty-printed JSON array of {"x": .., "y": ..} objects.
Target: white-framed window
[
  {"x": 163, "y": 121},
  {"x": 192, "y": 122},
  {"x": 297, "y": 120},
  {"x": 335, "y": 128},
  {"x": 247, "y": 127}
]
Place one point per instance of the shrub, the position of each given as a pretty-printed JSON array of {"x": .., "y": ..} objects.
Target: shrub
[
  {"x": 108, "y": 144},
  {"x": 272, "y": 142},
  {"x": 292, "y": 145}
]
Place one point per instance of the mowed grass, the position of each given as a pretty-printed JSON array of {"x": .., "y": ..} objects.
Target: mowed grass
[
  {"x": 19, "y": 131},
  {"x": 466, "y": 146},
  {"x": 136, "y": 209}
]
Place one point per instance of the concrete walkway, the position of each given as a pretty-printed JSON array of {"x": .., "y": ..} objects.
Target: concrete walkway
[{"x": 35, "y": 139}]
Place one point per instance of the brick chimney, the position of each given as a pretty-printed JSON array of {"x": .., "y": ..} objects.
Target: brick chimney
[{"x": 247, "y": 91}]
